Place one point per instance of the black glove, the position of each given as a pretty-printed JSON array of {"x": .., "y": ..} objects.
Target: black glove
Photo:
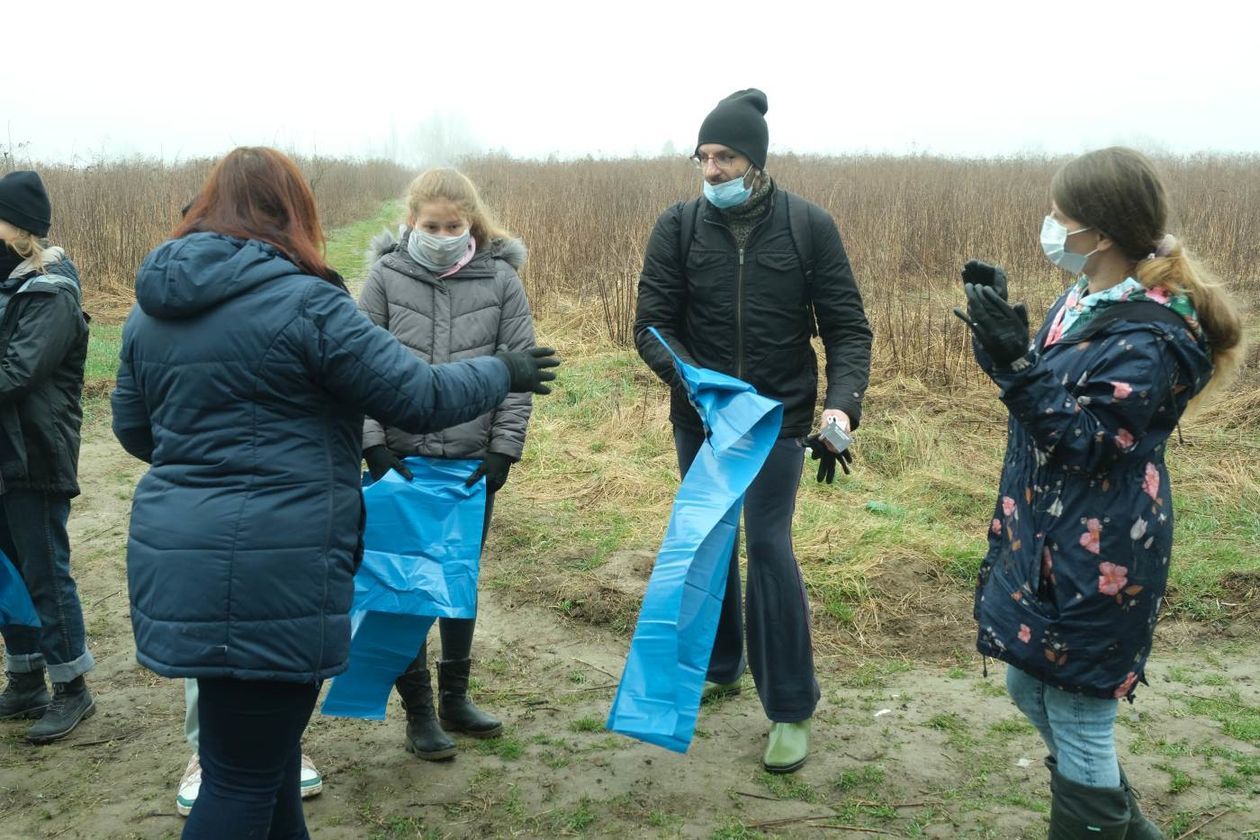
[
  {"x": 1000, "y": 328},
  {"x": 495, "y": 468},
  {"x": 827, "y": 459},
  {"x": 982, "y": 274},
  {"x": 527, "y": 369},
  {"x": 381, "y": 460}
]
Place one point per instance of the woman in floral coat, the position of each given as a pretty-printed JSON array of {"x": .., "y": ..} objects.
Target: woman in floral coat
[{"x": 1081, "y": 538}]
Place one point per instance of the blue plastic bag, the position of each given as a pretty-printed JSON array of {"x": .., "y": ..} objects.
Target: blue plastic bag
[
  {"x": 422, "y": 550},
  {"x": 16, "y": 607},
  {"x": 658, "y": 697}
]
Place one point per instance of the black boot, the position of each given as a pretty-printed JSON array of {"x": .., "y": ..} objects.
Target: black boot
[
  {"x": 1140, "y": 828},
  {"x": 457, "y": 712},
  {"x": 1078, "y": 811},
  {"x": 424, "y": 737},
  {"x": 71, "y": 703},
  {"x": 26, "y": 696}
]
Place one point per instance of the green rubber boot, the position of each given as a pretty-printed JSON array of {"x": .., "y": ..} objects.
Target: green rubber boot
[
  {"x": 715, "y": 691},
  {"x": 1078, "y": 812},
  {"x": 1140, "y": 826},
  {"x": 788, "y": 747}
]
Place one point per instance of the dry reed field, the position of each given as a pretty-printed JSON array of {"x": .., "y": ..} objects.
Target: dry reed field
[
  {"x": 110, "y": 214},
  {"x": 908, "y": 224}
]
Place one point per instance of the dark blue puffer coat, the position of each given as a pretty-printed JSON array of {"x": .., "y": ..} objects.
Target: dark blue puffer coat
[
  {"x": 244, "y": 383},
  {"x": 1081, "y": 537}
]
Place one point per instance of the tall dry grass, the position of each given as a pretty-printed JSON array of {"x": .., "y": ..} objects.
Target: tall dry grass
[
  {"x": 109, "y": 215},
  {"x": 908, "y": 224}
]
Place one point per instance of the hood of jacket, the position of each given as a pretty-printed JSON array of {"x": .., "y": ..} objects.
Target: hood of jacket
[
  {"x": 58, "y": 272},
  {"x": 186, "y": 276},
  {"x": 512, "y": 251}
]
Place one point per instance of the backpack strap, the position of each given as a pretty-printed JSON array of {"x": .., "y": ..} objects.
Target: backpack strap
[
  {"x": 803, "y": 241},
  {"x": 688, "y": 214}
]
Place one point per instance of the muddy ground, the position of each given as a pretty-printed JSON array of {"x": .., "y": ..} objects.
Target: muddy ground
[{"x": 911, "y": 745}]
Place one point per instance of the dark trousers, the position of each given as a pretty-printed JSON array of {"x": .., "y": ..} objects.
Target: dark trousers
[
  {"x": 780, "y": 651},
  {"x": 33, "y": 535},
  {"x": 456, "y": 633},
  {"x": 251, "y": 760}
]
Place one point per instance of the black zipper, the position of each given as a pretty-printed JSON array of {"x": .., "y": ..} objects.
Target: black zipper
[{"x": 739, "y": 285}]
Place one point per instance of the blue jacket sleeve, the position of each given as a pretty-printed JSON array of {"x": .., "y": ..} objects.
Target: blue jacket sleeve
[
  {"x": 130, "y": 414},
  {"x": 1086, "y": 425},
  {"x": 364, "y": 366}
]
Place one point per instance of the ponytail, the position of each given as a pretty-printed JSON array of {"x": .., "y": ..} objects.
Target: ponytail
[{"x": 1172, "y": 268}]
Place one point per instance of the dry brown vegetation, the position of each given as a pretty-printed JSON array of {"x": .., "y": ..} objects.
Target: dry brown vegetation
[
  {"x": 908, "y": 224},
  {"x": 110, "y": 214}
]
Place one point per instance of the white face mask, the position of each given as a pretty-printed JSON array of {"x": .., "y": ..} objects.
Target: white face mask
[
  {"x": 1054, "y": 245},
  {"x": 437, "y": 253}
]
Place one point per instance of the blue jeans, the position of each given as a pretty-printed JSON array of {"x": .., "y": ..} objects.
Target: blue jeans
[
  {"x": 251, "y": 759},
  {"x": 1080, "y": 731},
  {"x": 33, "y": 535}
]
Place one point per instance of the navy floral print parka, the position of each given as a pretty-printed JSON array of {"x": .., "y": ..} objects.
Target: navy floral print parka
[{"x": 1081, "y": 536}]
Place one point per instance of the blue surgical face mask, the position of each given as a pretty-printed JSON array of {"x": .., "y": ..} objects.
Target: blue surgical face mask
[
  {"x": 437, "y": 253},
  {"x": 1054, "y": 245},
  {"x": 730, "y": 193}
]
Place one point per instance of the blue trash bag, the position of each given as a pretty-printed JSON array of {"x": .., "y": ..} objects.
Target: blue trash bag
[
  {"x": 16, "y": 607},
  {"x": 658, "y": 698},
  {"x": 422, "y": 551}
]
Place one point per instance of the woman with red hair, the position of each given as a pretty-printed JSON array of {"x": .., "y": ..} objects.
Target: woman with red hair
[{"x": 246, "y": 372}]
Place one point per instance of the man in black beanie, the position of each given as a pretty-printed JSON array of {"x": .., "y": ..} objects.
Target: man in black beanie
[{"x": 738, "y": 281}]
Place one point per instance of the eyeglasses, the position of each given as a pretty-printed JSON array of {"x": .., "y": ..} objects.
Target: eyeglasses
[{"x": 726, "y": 161}]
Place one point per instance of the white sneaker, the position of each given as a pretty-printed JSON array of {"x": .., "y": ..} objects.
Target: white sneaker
[
  {"x": 312, "y": 783},
  {"x": 189, "y": 787}
]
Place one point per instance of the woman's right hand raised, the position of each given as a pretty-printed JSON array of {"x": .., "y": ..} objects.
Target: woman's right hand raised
[
  {"x": 528, "y": 369},
  {"x": 979, "y": 273}
]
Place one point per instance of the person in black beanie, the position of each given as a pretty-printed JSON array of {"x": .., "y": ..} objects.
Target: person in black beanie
[
  {"x": 43, "y": 342},
  {"x": 738, "y": 280}
]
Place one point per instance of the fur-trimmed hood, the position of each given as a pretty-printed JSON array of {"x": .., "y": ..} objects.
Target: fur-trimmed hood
[{"x": 511, "y": 251}]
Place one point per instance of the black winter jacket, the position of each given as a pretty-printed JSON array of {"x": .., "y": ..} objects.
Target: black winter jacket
[
  {"x": 746, "y": 311},
  {"x": 43, "y": 348}
]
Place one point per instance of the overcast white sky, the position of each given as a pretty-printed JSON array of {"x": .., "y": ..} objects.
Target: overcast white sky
[{"x": 180, "y": 80}]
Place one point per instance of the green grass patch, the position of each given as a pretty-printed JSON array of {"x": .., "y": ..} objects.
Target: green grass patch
[
  {"x": 1237, "y": 719},
  {"x": 866, "y": 777},
  {"x": 787, "y": 786},
  {"x": 347, "y": 246},
  {"x": 104, "y": 344}
]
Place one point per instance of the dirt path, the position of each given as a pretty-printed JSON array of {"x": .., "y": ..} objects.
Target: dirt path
[{"x": 900, "y": 749}]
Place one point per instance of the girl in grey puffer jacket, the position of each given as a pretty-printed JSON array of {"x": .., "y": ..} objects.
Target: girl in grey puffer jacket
[{"x": 447, "y": 288}]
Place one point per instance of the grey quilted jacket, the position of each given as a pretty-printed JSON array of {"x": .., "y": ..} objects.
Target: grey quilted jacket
[{"x": 478, "y": 310}]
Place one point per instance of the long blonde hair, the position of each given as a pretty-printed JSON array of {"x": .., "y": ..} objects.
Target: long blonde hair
[
  {"x": 1118, "y": 192},
  {"x": 30, "y": 248},
  {"x": 454, "y": 186}
]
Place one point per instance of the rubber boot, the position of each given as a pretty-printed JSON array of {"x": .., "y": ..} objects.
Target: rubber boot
[
  {"x": 455, "y": 710},
  {"x": 425, "y": 738},
  {"x": 25, "y": 696},
  {"x": 1140, "y": 828},
  {"x": 714, "y": 691},
  {"x": 1078, "y": 811},
  {"x": 788, "y": 747},
  {"x": 71, "y": 704}
]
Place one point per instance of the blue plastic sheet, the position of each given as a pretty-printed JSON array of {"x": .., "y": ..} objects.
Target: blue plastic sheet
[
  {"x": 658, "y": 698},
  {"x": 16, "y": 607},
  {"x": 422, "y": 548}
]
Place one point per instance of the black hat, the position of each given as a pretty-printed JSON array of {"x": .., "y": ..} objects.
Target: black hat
[
  {"x": 739, "y": 121},
  {"x": 24, "y": 202}
]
